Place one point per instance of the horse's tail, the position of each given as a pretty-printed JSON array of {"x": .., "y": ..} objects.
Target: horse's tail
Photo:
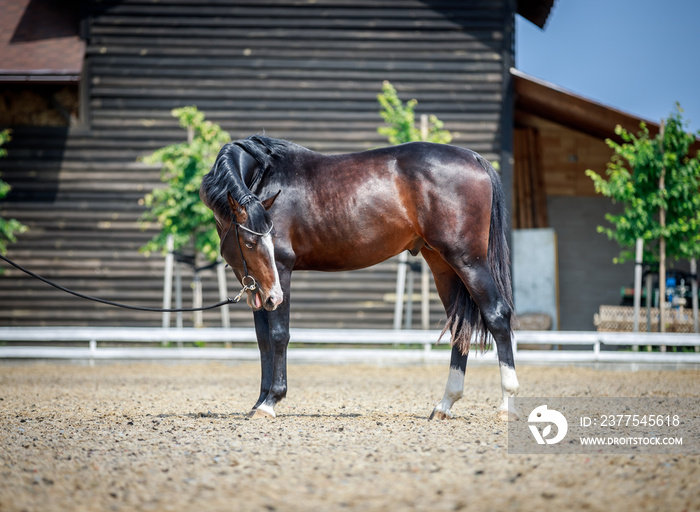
[{"x": 464, "y": 320}]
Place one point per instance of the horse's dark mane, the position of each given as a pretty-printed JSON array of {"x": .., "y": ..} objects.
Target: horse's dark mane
[
  {"x": 225, "y": 176},
  {"x": 265, "y": 149}
]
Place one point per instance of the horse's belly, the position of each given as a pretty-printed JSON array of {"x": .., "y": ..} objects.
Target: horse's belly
[
  {"x": 352, "y": 256},
  {"x": 376, "y": 228}
]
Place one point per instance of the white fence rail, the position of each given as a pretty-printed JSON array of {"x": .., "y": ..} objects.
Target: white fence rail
[{"x": 556, "y": 346}]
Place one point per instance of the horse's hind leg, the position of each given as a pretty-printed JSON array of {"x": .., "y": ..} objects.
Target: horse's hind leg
[
  {"x": 448, "y": 283},
  {"x": 475, "y": 274},
  {"x": 454, "y": 389}
]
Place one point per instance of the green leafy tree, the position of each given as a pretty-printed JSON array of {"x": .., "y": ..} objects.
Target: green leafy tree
[
  {"x": 177, "y": 207},
  {"x": 401, "y": 120},
  {"x": 9, "y": 228},
  {"x": 633, "y": 179}
]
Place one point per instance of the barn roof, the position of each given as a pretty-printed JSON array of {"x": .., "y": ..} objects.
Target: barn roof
[
  {"x": 39, "y": 41},
  {"x": 535, "y": 11},
  {"x": 556, "y": 104}
]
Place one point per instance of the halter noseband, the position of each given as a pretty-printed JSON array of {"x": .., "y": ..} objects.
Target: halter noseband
[{"x": 251, "y": 231}]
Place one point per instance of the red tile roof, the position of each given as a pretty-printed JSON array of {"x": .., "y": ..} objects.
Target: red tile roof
[{"x": 39, "y": 40}]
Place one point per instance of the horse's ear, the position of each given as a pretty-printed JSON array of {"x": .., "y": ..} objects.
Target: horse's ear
[
  {"x": 239, "y": 212},
  {"x": 267, "y": 203}
]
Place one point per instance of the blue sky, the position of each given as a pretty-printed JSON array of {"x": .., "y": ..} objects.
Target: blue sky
[{"x": 639, "y": 56}]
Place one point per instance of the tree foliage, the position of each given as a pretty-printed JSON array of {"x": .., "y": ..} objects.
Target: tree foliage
[
  {"x": 633, "y": 175},
  {"x": 177, "y": 207},
  {"x": 401, "y": 120},
  {"x": 9, "y": 228}
]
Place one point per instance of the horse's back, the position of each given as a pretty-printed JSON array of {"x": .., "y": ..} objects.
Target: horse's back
[
  {"x": 429, "y": 161},
  {"x": 441, "y": 172}
]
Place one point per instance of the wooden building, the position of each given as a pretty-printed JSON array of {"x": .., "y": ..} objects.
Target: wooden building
[
  {"x": 301, "y": 70},
  {"x": 558, "y": 135}
]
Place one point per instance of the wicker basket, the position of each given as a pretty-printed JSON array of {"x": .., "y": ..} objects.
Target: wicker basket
[{"x": 621, "y": 319}]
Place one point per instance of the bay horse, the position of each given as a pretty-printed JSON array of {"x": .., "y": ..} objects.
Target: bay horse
[{"x": 280, "y": 207}]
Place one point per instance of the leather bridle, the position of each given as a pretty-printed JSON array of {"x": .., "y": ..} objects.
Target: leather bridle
[{"x": 248, "y": 281}]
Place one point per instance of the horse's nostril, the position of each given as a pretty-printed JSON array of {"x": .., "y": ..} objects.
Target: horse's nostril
[{"x": 272, "y": 302}]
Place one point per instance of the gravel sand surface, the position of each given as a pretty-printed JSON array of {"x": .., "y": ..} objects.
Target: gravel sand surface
[{"x": 139, "y": 437}]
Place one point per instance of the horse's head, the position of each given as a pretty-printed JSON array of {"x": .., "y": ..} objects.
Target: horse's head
[{"x": 246, "y": 244}]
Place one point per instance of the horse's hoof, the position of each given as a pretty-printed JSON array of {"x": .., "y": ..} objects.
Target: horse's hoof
[
  {"x": 440, "y": 415},
  {"x": 262, "y": 411},
  {"x": 505, "y": 415}
]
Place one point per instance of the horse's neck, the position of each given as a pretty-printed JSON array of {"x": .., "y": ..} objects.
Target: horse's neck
[{"x": 251, "y": 179}]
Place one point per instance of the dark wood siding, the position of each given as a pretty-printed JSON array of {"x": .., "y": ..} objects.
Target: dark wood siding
[{"x": 305, "y": 71}]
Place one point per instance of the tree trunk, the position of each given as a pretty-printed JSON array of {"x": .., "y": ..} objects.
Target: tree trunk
[
  {"x": 662, "y": 241},
  {"x": 662, "y": 280},
  {"x": 694, "y": 291}
]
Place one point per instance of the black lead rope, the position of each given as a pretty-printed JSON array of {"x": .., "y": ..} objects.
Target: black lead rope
[
  {"x": 117, "y": 304},
  {"x": 248, "y": 281}
]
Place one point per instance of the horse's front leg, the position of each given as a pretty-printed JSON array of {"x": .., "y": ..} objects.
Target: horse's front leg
[
  {"x": 262, "y": 333},
  {"x": 273, "y": 327}
]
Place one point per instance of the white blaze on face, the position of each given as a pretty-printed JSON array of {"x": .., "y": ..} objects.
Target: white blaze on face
[{"x": 276, "y": 290}]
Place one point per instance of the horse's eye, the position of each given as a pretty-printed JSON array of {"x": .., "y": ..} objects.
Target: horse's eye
[{"x": 249, "y": 245}]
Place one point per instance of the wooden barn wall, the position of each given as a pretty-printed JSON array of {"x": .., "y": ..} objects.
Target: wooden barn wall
[
  {"x": 565, "y": 156},
  {"x": 305, "y": 71}
]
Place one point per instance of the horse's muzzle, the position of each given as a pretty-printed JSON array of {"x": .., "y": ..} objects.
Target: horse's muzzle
[
  {"x": 269, "y": 303},
  {"x": 274, "y": 299}
]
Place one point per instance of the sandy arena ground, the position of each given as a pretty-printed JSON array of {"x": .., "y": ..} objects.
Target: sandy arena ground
[{"x": 141, "y": 437}]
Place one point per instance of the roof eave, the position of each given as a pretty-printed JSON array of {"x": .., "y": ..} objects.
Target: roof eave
[
  {"x": 553, "y": 103},
  {"x": 535, "y": 11}
]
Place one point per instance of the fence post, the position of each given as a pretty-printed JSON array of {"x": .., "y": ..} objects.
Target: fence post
[
  {"x": 424, "y": 295},
  {"x": 197, "y": 300},
  {"x": 400, "y": 287},
  {"x": 178, "y": 295},
  {"x": 93, "y": 351},
  {"x": 596, "y": 349},
  {"x": 649, "y": 304},
  {"x": 168, "y": 281},
  {"x": 408, "y": 320},
  {"x": 637, "y": 285},
  {"x": 223, "y": 293}
]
